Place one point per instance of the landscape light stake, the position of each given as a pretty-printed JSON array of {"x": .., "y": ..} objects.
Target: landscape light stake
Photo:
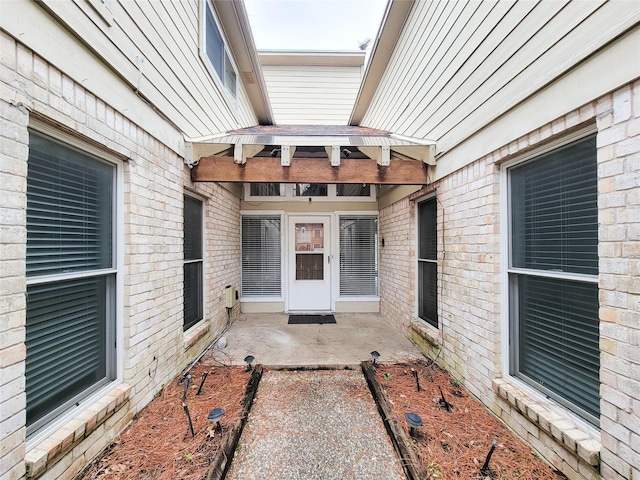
[
  {"x": 187, "y": 380},
  {"x": 414, "y": 421},
  {"x": 375, "y": 356},
  {"x": 204, "y": 377},
  {"x": 186, "y": 410},
  {"x": 485, "y": 468},
  {"x": 443, "y": 401},
  {"x": 215, "y": 415},
  {"x": 415, "y": 375},
  {"x": 249, "y": 360}
]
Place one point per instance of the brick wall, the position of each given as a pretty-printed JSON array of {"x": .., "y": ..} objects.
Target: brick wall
[
  {"x": 154, "y": 181},
  {"x": 468, "y": 342}
]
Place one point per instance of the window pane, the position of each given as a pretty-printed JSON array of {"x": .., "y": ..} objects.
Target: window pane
[
  {"x": 358, "y": 256},
  {"x": 69, "y": 209},
  {"x": 193, "y": 312},
  {"x": 428, "y": 232},
  {"x": 555, "y": 211},
  {"x": 192, "y": 228},
  {"x": 261, "y": 252},
  {"x": 264, "y": 189},
  {"x": 427, "y": 292},
  {"x": 311, "y": 189},
  {"x": 66, "y": 339},
  {"x": 214, "y": 44},
  {"x": 558, "y": 338},
  {"x": 353, "y": 190},
  {"x": 229, "y": 76},
  {"x": 309, "y": 237},
  {"x": 309, "y": 266}
]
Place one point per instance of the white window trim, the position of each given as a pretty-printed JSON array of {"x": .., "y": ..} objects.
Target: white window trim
[
  {"x": 117, "y": 270},
  {"x": 199, "y": 323},
  {"x": 507, "y": 270},
  {"x": 287, "y": 194},
  {"x": 231, "y": 98}
]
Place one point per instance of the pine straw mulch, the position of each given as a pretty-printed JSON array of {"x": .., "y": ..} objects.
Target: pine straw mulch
[
  {"x": 158, "y": 444},
  {"x": 455, "y": 444}
]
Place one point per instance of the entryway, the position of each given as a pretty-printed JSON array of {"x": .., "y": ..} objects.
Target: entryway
[{"x": 309, "y": 263}]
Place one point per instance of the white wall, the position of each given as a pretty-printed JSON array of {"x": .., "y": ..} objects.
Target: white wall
[{"x": 312, "y": 94}]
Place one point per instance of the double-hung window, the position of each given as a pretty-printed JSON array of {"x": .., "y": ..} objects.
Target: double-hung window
[
  {"x": 71, "y": 277},
  {"x": 358, "y": 256},
  {"x": 553, "y": 275},
  {"x": 217, "y": 53},
  {"x": 193, "y": 260},
  {"x": 428, "y": 262}
]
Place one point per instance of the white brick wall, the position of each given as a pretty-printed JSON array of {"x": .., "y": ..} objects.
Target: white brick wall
[
  {"x": 154, "y": 179},
  {"x": 470, "y": 287}
]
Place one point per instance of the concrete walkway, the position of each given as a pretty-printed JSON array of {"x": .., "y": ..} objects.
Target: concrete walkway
[
  {"x": 314, "y": 425},
  {"x": 348, "y": 342}
]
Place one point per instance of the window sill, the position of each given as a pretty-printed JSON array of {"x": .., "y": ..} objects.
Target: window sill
[
  {"x": 575, "y": 438},
  {"x": 195, "y": 333},
  {"x": 48, "y": 451},
  {"x": 425, "y": 332}
]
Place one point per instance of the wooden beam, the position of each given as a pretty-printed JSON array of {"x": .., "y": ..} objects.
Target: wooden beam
[
  {"x": 309, "y": 170},
  {"x": 242, "y": 152}
]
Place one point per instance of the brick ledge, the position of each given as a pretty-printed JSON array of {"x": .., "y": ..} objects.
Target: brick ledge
[
  {"x": 575, "y": 439},
  {"x": 427, "y": 333},
  {"x": 195, "y": 333},
  {"x": 43, "y": 455}
]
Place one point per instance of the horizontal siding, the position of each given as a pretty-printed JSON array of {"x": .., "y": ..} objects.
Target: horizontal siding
[
  {"x": 312, "y": 95},
  {"x": 154, "y": 46},
  {"x": 458, "y": 66}
]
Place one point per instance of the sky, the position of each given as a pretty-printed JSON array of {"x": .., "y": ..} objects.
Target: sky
[{"x": 314, "y": 24}]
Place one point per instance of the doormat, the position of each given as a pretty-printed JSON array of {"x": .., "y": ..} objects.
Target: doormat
[{"x": 310, "y": 319}]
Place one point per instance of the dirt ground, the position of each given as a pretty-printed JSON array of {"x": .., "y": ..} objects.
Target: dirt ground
[
  {"x": 158, "y": 445},
  {"x": 454, "y": 444}
]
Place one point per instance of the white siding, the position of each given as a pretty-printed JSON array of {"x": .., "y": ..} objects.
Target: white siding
[
  {"x": 460, "y": 66},
  {"x": 312, "y": 95},
  {"x": 152, "y": 46}
]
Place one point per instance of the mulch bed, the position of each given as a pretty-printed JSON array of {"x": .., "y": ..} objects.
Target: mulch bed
[
  {"x": 454, "y": 444},
  {"x": 158, "y": 445}
]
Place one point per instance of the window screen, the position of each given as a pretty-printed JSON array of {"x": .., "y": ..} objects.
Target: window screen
[
  {"x": 70, "y": 325},
  {"x": 428, "y": 262},
  {"x": 193, "y": 259},
  {"x": 554, "y": 235},
  {"x": 261, "y": 256}
]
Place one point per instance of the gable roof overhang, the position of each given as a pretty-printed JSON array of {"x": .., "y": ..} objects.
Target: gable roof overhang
[{"x": 311, "y": 154}]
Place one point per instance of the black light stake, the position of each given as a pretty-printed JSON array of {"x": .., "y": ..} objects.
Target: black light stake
[
  {"x": 215, "y": 415},
  {"x": 187, "y": 380},
  {"x": 204, "y": 377},
  {"x": 186, "y": 410},
  {"x": 375, "y": 356},
  {"x": 485, "y": 468},
  {"x": 414, "y": 421},
  {"x": 443, "y": 401},
  {"x": 415, "y": 375},
  {"x": 249, "y": 360}
]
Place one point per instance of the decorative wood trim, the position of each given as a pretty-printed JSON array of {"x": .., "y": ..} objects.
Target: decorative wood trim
[{"x": 309, "y": 170}]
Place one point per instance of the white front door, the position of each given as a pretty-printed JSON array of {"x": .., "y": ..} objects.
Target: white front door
[{"x": 309, "y": 263}]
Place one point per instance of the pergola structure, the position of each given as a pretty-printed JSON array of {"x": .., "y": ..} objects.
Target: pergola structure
[{"x": 311, "y": 154}]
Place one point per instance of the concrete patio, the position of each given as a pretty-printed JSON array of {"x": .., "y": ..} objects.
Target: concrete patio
[{"x": 346, "y": 343}]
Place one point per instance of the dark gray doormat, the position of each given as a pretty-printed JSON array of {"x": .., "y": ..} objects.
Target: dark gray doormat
[{"x": 310, "y": 319}]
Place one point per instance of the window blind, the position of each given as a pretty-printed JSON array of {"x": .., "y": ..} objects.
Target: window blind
[
  {"x": 555, "y": 211},
  {"x": 193, "y": 308},
  {"x": 69, "y": 210},
  {"x": 427, "y": 261},
  {"x": 261, "y": 256},
  {"x": 559, "y": 335},
  {"x": 358, "y": 256}
]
